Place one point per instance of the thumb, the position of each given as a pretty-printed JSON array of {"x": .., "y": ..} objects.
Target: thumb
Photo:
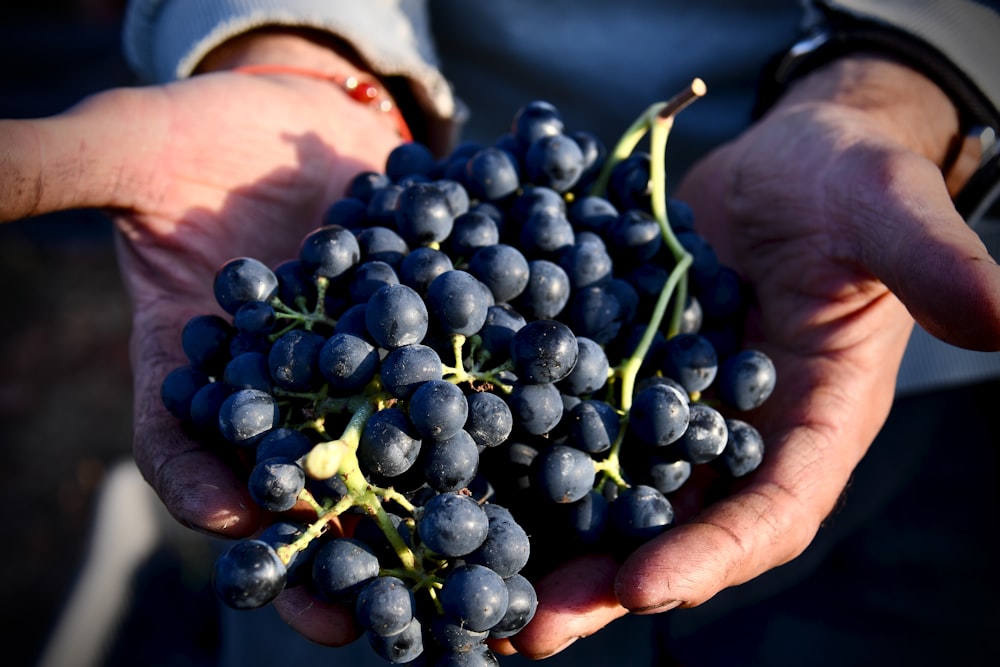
[
  {"x": 900, "y": 224},
  {"x": 75, "y": 159}
]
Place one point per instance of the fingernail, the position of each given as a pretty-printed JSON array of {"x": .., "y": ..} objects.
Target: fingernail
[{"x": 657, "y": 608}]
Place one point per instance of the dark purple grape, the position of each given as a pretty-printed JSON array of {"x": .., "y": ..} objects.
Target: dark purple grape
[
  {"x": 456, "y": 194},
  {"x": 705, "y": 437},
  {"x": 248, "y": 370},
  {"x": 744, "y": 450},
  {"x": 452, "y": 525},
  {"x": 296, "y": 287},
  {"x": 409, "y": 158},
  {"x": 385, "y": 606},
  {"x": 421, "y": 266},
  {"x": 382, "y": 244},
  {"x": 596, "y": 313},
  {"x": 564, "y": 474},
  {"x": 352, "y": 321},
  {"x": 365, "y": 183},
  {"x": 255, "y": 317},
  {"x": 555, "y": 161},
  {"x": 246, "y": 415},
  {"x": 666, "y": 474},
  {"x": 449, "y": 464},
  {"x": 396, "y": 316},
  {"x": 342, "y": 567},
  {"x": 594, "y": 154},
  {"x": 205, "y": 406},
  {"x": 502, "y": 268},
  {"x": 285, "y": 443},
  {"x": 502, "y": 322},
  {"x": 547, "y": 292},
  {"x": 588, "y": 517},
  {"x": 179, "y": 388},
  {"x": 506, "y": 548},
  {"x": 533, "y": 199},
  {"x": 691, "y": 360},
  {"x": 347, "y": 362},
  {"x": 294, "y": 360},
  {"x": 248, "y": 575},
  {"x": 535, "y": 120},
  {"x": 402, "y": 647},
  {"x": 490, "y": 421},
  {"x": 407, "y": 367},
  {"x": 545, "y": 235},
  {"x": 659, "y": 415},
  {"x": 590, "y": 372},
  {"x": 205, "y": 341},
  {"x": 438, "y": 409},
  {"x": 458, "y": 302},
  {"x": 347, "y": 212},
  {"x": 382, "y": 206},
  {"x": 522, "y": 603},
  {"x": 587, "y": 262},
  {"x": 329, "y": 251},
  {"x": 241, "y": 280},
  {"x": 640, "y": 513},
  {"x": 635, "y": 237},
  {"x": 368, "y": 277},
  {"x": 423, "y": 214},
  {"x": 592, "y": 214},
  {"x": 746, "y": 379},
  {"x": 389, "y": 444},
  {"x": 471, "y": 231},
  {"x": 544, "y": 351},
  {"x": 537, "y": 408},
  {"x": 474, "y": 596},
  {"x": 680, "y": 216},
  {"x": 275, "y": 484},
  {"x": 629, "y": 186},
  {"x": 282, "y": 533},
  {"x": 491, "y": 174},
  {"x": 455, "y": 637},
  {"x": 593, "y": 426}
]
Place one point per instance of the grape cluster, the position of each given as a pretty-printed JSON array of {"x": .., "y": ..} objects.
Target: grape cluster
[{"x": 523, "y": 338}]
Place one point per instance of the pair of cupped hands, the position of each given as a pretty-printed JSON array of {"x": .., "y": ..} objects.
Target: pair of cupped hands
[{"x": 835, "y": 207}]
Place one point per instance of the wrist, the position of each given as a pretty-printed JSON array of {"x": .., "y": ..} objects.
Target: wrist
[
  {"x": 305, "y": 53},
  {"x": 283, "y": 46}
]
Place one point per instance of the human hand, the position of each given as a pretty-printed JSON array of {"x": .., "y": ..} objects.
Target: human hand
[
  {"x": 835, "y": 208},
  {"x": 194, "y": 173}
]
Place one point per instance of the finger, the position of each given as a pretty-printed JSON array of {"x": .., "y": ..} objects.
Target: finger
[
  {"x": 574, "y": 601},
  {"x": 760, "y": 526},
  {"x": 71, "y": 160},
  {"x": 316, "y": 620},
  {"x": 199, "y": 487},
  {"x": 900, "y": 224}
]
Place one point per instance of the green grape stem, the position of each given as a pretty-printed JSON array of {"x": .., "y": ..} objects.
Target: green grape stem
[
  {"x": 657, "y": 120},
  {"x": 302, "y": 317}
]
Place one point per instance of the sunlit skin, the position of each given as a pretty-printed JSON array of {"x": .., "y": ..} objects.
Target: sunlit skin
[{"x": 834, "y": 208}]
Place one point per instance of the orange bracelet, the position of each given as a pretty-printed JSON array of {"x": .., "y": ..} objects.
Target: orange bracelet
[{"x": 358, "y": 90}]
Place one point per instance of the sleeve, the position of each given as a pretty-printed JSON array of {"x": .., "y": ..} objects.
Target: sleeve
[
  {"x": 164, "y": 40},
  {"x": 954, "y": 43}
]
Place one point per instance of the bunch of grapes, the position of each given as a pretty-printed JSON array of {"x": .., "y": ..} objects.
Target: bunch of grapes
[{"x": 522, "y": 339}]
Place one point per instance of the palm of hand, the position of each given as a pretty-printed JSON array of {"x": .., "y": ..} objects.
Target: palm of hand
[
  {"x": 227, "y": 165},
  {"x": 813, "y": 208}
]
